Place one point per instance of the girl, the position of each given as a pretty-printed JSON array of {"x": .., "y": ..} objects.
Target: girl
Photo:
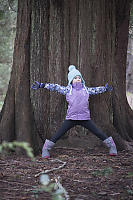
[{"x": 78, "y": 113}]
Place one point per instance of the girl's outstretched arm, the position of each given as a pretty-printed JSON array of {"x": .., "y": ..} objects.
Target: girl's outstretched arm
[
  {"x": 58, "y": 88},
  {"x": 52, "y": 87},
  {"x": 99, "y": 90}
]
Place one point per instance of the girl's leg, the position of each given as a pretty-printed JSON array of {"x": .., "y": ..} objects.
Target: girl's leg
[
  {"x": 108, "y": 141},
  {"x": 48, "y": 145},
  {"x": 90, "y": 125},
  {"x": 67, "y": 124}
]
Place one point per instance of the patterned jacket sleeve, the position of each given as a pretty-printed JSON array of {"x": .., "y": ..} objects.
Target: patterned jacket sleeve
[
  {"x": 55, "y": 87},
  {"x": 96, "y": 90}
]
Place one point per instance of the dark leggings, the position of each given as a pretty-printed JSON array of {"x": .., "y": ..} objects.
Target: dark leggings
[{"x": 68, "y": 124}]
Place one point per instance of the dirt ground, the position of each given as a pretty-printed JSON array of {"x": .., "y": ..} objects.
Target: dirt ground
[{"x": 86, "y": 176}]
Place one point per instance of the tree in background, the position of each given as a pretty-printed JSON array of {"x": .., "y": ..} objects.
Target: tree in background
[
  {"x": 8, "y": 13},
  {"x": 92, "y": 35},
  {"x": 129, "y": 70}
]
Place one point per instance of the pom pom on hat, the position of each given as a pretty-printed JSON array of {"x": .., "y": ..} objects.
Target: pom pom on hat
[
  {"x": 71, "y": 67},
  {"x": 72, "y": 73}
]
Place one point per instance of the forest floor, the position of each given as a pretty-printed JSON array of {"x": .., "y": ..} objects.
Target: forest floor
[{"x": 85, "y": 175}]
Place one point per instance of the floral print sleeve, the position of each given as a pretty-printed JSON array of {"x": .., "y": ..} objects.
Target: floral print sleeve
[
  {"x": 96, "y": 90},
  {"x": 55, "y": 87}
]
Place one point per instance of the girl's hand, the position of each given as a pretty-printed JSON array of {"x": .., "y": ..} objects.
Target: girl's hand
[
  {"x": 37, "y": 85},
  {"x": 108, "y": 87}
]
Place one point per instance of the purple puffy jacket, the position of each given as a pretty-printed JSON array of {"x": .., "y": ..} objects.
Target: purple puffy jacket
[
  {"x": 78, "y": 104},
  {"x": 77, "y": 97}
]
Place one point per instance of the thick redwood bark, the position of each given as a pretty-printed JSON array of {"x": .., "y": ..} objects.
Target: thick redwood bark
[
  {"x": 122, "y": 113},
  {"x": 92, "y": 35},
  {"x": 17, "y": 116}
]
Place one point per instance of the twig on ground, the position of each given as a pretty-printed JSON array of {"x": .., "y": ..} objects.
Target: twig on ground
[
  {"x": 69, "y": 148},
  {"x": 12, "y": 182},
  {"x": 53, "y": 169}
]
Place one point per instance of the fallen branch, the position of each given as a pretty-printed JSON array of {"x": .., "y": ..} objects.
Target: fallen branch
[
  {"x": 70, "y": 148},
  {"x": 53, "y": 169},
  {"x": 12, "y": 182}
]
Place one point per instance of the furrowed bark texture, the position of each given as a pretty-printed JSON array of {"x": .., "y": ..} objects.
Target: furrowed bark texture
[{"x": 51, "y": 35}]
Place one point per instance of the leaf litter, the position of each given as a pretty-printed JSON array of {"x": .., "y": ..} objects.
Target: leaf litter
[{"x": 84, "y": 175}]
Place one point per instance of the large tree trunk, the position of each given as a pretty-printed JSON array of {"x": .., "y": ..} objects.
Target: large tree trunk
[
  {"x": 52, "y": 34},
  {"x": 17, "y": 121},
  {"x": 122, "y": 113}
]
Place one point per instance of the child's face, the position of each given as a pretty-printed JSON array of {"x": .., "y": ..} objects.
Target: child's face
[{"x": 76, "y": 79}]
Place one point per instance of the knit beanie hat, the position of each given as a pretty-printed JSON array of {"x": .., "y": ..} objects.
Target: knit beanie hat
[{"x": 72, "y": 73}]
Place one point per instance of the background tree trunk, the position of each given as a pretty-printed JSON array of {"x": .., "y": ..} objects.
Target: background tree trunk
[
  {"x": 123, "y": 115},
  {"x": 52, "y": 34},
  {"x": 17, "y": 121}
]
